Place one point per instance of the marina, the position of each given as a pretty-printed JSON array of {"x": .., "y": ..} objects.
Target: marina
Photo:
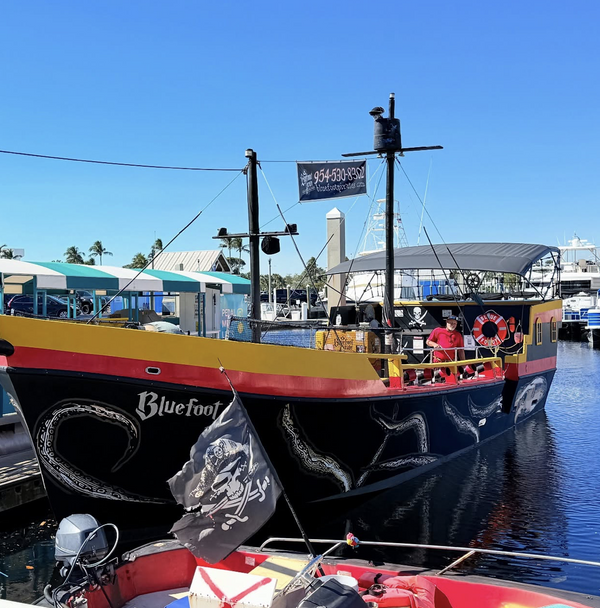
[
  {"x": 579, "y": 287},
  {"x": 95, "y": 395},
  {"x": 530, "y": 492},
  {"x": 89, "y": 388},
  {"x": 274, "y": 336}
]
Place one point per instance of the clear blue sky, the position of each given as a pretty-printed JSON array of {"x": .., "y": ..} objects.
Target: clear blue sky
[{"x": 510, "y": 89}]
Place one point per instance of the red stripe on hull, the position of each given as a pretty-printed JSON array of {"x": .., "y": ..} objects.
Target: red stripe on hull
[
  {"x": 211, "y": 379},
  {"x": 514, "y": 371},
  {"x": 190, "y": 375}
]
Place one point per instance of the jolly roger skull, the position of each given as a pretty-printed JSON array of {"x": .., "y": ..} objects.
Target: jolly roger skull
[
  {"x": 228, "y": 461},
  {"x": 227, "y": 480}
]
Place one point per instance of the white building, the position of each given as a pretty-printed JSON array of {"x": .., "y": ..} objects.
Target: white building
[{"x": 191, "y": 261}]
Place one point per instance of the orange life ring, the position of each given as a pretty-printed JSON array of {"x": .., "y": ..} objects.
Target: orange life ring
[{"x": 501, "y": 329}]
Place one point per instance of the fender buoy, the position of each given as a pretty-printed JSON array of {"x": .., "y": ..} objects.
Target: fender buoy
[
  {"x": 512, "y": 324},
  {"x": 369, "y": 578},
  {"x": 490, "y": 329},
  {"x": 392, "y": 598},
  {"x": 402, "y": 592}
]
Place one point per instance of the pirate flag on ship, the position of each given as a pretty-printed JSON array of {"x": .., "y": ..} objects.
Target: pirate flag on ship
[{"x": 228, "y": 488}]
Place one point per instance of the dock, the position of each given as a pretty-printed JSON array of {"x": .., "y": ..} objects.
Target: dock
[{"x": 20, "y": 477}]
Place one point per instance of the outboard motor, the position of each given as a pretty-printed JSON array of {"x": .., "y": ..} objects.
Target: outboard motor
[
  {"x": 82, "y": 548},
  {"x": 79, "y": 538}
]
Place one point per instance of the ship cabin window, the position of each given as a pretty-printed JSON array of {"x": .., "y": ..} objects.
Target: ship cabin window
[
  {"x": 553, "y": 330},
  {"x": 538, "y": 331}
]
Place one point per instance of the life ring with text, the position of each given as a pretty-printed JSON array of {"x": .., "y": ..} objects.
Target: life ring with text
[{"x": 490, "y": 329}]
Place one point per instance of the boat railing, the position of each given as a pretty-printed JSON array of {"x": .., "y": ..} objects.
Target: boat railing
[
  {"x": 427, "y": 353},
  {"x": 402, "y": 375},
  {"x": 467, "y": 551}
]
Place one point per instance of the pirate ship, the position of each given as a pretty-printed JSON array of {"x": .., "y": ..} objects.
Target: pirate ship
[{"x": 112, "y": 412}]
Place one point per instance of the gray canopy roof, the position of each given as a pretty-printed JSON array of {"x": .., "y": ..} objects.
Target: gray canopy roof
[{"x": 515, "y": 258}]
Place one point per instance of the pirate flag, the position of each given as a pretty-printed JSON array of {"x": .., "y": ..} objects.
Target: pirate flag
[{"x": 228, "y": 488}]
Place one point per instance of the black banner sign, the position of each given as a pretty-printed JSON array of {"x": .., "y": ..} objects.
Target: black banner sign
[{"x": 320, "y": 181}]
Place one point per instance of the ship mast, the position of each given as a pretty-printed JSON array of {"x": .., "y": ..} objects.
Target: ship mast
[
  {"x": 267, "y": 241},
  {"x": 388, "y": 302},
  {"x": 388, "y": 141}
]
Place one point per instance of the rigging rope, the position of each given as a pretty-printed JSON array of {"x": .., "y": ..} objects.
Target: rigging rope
[
  {"x": 151, "y": 261},
  {"x": 106, "y": 162}
]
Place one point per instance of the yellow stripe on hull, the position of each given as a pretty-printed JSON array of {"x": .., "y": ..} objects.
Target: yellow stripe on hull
[{"x": 142, "y": 345}]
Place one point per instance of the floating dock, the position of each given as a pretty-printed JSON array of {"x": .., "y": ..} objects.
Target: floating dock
[{"x": 20, "y": 478}]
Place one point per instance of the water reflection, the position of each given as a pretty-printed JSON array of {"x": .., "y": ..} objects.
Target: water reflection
[
  {"x": 27, "y": 555},
  {"x": 534, "y": 490},
  {"x": 499, "y": 494}
]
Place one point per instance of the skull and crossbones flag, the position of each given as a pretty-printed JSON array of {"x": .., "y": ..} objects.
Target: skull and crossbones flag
[{"x": 228, "y": 488}]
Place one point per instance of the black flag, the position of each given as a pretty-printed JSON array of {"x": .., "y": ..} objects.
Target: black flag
[{"x": 228, "y": 487}]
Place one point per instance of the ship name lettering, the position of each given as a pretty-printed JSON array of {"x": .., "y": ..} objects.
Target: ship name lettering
[{"x": 151, "y": 405}]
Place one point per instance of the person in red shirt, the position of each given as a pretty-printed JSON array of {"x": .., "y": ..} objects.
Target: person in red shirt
[{"x": 442, "y": 338}]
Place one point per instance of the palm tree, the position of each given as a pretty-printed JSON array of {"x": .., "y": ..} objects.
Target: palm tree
[
  {"x": 228, "y": 242},
  {"x": 314, "y": 274},
  {"x": 7, "y": 253},
  {"x": 73, "y": 255},
  {"x": 157, "y": 247},
  {"x": 236, "y": 264},
  {"x": 236, "y": 243},
  {"x": 139, "y": 261},
  {"x": 98, "y": 250},
  {"x": 233, "y": 242},
  {"x": 240, "y": 247}
]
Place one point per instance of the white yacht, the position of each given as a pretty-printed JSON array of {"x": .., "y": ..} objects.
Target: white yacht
[{"x": 580, "y": 267}]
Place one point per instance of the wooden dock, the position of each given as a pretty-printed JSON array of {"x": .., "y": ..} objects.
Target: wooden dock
[{"x": 20, "y": 478}]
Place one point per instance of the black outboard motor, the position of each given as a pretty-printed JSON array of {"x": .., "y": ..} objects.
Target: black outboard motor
[
  {"x": 333, "y": 594},
  {"x": 78, "y": 539}
]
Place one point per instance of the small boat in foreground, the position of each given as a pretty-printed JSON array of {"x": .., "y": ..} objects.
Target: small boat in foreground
[{"x": 166, "y": 574}]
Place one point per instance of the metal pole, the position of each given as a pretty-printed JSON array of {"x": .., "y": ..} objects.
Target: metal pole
[
  {"x": 270, "y": 288},
  {"x": 254, "y": 230},
  {"x": 389, "y": 243}
]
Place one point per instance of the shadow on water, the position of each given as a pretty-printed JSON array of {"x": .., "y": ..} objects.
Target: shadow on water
[
  {"x": 26, "y": 551},
  {"x": 498, "y": 497},
  {"x": 508, "y": 494}
]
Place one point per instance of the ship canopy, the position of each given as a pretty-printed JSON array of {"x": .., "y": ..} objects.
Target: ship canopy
[{"x": 513, "y": 258}]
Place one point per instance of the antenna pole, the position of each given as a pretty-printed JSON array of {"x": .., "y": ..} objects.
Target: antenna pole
[
  {"x": 254, "y": 231},
  {"x": 389, "y": 241}
]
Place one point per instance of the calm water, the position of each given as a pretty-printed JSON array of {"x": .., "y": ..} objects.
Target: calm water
[{"x": 535, "y": 489}]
